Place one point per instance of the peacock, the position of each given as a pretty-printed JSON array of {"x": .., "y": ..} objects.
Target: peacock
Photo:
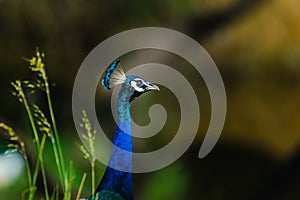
[{"x": 115, "y": 184}]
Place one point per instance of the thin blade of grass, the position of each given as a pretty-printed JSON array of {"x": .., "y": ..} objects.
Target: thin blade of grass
[
  {"x": 36, "y": 171},
  {"x": 81, "y": 186}
]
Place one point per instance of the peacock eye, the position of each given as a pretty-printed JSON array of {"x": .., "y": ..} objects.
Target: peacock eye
[{"x": 139, "y": 83}]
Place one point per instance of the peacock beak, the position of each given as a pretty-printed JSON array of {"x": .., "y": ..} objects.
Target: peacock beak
[{"x": 151, "y": 86}]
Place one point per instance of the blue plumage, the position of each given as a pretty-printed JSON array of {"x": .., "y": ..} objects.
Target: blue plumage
[
  {"x": 115, "y": 184},
  {"x": 115, "y": 180},
  {"x": 109, "y": 70},
  {"x": 114, "y": 75}
]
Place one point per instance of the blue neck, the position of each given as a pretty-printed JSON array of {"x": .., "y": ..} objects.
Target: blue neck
[{"x": 113, "y": 180}]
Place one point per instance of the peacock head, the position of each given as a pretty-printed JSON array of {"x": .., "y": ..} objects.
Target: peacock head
[{"x": 132, "y": 86}]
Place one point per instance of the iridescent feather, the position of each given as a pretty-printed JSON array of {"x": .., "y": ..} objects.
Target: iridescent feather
[{"x": 114, "y": 75}]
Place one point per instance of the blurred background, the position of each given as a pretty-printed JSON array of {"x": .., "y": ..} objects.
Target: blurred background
[{"x": 256, "y": 46}]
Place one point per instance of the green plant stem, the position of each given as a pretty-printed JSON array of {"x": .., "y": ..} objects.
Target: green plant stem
[
  {"x": 70, "y": 182},
  {"x": 28, "y": 172},
  {"x": 93, "y": 176},
  {"x": 81, "y": 186},
  {"x": 33, "y": 187},
  {"x": 35, "y": 175},
  {"x": 57, "y": 139},
  {"x": 37, "y": 144},
  {"x": 57, "y": 160},
  {"x": 55, "y": 190}
]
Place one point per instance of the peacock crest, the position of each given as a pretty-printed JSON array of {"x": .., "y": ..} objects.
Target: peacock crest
[{"x": 114, "y": 75}]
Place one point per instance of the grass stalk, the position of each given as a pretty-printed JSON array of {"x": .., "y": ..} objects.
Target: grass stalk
[
  {"x": 37, "y": 65},
  {"x": 45, "y": 126},
  {"x": 56, "y": 140},
  {"x": 54, "y": 195},
  {"x": 57, "y": 161},
  {"x": 28, "y": 172},
  {"x": 36, "y": 171},
  {"x": 37, "y": 141},
  {"x": 81, "y": 186},
  {"x": 90, "y": 137},
  {"x": 93, "y": 176},
  {"x": 70, "y": 182},
  {"x": 39, "y": 123},
  {"x": 53, "y": 120}
]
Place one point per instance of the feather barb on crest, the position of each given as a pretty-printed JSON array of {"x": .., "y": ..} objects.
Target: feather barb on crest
[{"x": 114, "y": 75}]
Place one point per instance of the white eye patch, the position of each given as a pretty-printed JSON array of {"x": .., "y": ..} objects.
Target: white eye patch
[{"x": 134, "y": 85}]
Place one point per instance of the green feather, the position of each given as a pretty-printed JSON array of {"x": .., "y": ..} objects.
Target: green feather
[{"x": 107, "y": 195}]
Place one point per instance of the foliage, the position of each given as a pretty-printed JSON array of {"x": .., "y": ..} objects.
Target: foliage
[
  {"x": 42, "y": 127},
  {"x": 90, "y": 138}
]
